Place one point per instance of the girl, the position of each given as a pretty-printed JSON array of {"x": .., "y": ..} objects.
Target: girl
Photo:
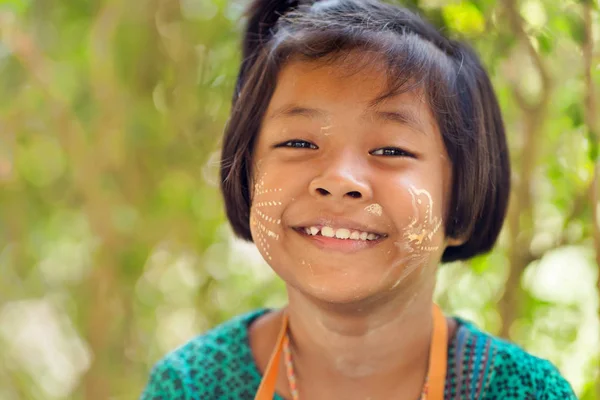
[{"x": 363, "y": 149}]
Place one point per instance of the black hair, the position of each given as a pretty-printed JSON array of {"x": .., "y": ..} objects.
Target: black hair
[{"x": 448, "y": 71}]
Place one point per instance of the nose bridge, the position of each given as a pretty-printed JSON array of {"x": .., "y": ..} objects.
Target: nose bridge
[
  {"x": 342, "y": 174},
  {"x": 344, "y": 163}
]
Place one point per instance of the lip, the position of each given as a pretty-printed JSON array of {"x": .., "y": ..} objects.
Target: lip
[
  {"x": 335, "y": 244},
  {"x": 338, "y": 245},
  {"x": 337, "y": 223}
]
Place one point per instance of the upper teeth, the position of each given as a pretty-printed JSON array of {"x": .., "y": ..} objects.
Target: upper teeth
[{"x": 341, "y": 233}]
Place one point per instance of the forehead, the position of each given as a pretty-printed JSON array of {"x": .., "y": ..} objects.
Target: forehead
[
  {"x": 300, "y": 77},
  {"x": 350, "y": 87}
]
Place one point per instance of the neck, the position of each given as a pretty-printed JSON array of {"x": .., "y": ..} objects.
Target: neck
[{"x": 374, "y": 345}]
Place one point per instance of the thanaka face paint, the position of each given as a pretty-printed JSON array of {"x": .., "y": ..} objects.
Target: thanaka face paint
[
  {"x": 327, "y": 130},
  {"x": 374, "y": 209},
  {"x": 421, "y": 236},
  {"x": 420, "y": 231},
  {"x": 263, "y": 225},
  {"x": 337, "y": 179}
]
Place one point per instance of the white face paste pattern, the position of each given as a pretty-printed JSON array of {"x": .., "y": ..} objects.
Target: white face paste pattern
[
  {"x": 374, "y": 209},
  {"x": 326, "y": 130},
  {"x": 309, "y": 266},
  {"x": 260, "y": 219},
  {"x": 420, "y": 233}
]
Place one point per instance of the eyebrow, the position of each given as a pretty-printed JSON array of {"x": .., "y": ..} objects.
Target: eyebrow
[{"x": 404, "y": 116}]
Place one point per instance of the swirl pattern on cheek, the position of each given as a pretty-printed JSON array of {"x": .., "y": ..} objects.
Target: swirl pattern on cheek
[{"x": 419, "y": 234}]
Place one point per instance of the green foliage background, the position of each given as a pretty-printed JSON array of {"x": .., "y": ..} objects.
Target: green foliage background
[{"x": 114, "y": 248}]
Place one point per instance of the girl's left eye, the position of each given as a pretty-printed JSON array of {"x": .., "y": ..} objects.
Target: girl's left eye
[
  {"x": 297, "y": 144},
  {"x": 392, "y": 152}
]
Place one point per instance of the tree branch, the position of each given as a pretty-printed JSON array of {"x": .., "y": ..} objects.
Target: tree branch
[
  {"x": 520, "y": 215},
  {"x": 577, "y": 209},
  {"x": 591, "y": 119},
  {"x": 87, "y": 175},
  {"x": 517, "y": 23}
]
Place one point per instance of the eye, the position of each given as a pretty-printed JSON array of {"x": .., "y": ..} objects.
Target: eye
[
  {"x": 298, "y": 144},
  {"x": 392, "y": 152}
]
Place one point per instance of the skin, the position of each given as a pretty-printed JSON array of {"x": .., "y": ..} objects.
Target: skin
[{"x": 360, "y": 323}]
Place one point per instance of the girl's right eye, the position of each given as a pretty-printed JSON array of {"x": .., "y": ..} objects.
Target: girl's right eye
[{"x": 298, "y": 144}]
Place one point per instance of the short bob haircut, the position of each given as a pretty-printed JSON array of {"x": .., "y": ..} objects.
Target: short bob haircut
[{"x": 448, "y": 72}]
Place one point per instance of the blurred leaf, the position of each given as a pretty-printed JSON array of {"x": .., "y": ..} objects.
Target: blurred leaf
[
  {"x": 575, "y": 112},
  {"x": 464, "y": 18},
  {"x": 546, "y": 43},
  {"x": 40, "y": 160},
  {"x": 19, "y": 7},
  {"x": 576, "y": 27}
]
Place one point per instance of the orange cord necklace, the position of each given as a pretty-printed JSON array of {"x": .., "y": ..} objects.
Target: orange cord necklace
[{"x": 436, "y": 373}]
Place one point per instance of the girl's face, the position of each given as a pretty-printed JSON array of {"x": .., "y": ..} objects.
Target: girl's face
[{"x": 348, "y": 198}]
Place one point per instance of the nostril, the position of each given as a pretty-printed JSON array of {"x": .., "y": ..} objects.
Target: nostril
[
  {"x": 355, "y": 195},
  {"x": 322, "y": 191}
]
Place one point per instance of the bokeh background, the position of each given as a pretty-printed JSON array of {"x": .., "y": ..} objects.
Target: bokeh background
[{"x": 114, "y": 248}]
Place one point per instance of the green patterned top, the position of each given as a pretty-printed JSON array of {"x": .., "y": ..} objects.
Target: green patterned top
[{"x": 219, "y": 365}]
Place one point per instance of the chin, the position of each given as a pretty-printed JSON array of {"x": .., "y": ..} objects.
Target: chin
[
  {"x": 336, "y": 283},
  {"x": 339, "y": 292}
]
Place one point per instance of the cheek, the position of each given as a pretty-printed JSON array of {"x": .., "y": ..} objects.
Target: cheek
[
  {"x": 265, "y": 215},
  {"x": 374, "y": 209},
  {"x": 423, "y": 230},
  {"x": 419, "y": 242},
  {"x": 421, "y": 235}
]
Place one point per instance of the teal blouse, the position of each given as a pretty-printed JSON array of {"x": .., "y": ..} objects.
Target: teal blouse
[{"x": 219, "y": 365}]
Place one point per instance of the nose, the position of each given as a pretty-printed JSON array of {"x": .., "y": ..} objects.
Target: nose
[{"x": 342, "y": 179}]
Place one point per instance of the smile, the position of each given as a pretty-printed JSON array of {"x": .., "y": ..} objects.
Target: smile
[
  {"x": 341, "y": 233},
  {"x": 342, "y": 240}
]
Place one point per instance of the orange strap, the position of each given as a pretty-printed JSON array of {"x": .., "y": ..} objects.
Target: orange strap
[
  {"x": 438, "y": 354},
  {"x": 436, "y": 376},
  {"x": 266, "y": 390}
]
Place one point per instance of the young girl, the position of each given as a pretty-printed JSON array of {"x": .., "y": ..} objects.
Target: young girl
[{"x": 363, "y": 148}]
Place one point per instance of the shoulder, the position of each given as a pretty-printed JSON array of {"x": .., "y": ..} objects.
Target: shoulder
[
  {"x": 508, "y": 371},
  {"x": 212, "y": 365}
]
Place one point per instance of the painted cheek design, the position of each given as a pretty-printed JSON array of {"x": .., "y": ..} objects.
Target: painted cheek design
[
  {"x": 326, "y": 130},
  {"x": 418, "y": 238},
  {"x": 260, "y": 218},
  {"x": 419, "y": 233},
  {"x": 375, "y": 209},
  {"x": 306, "y": 263}
]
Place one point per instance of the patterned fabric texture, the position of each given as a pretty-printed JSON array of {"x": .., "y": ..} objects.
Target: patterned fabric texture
[{"x": 219, "y": 365}]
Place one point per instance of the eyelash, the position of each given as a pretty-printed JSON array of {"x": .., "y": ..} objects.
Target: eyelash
[
  {"x": 303, "y": 144},
  {"x": 399, "y": 152}
]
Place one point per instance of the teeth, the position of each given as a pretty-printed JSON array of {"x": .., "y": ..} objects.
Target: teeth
[
  {"x": 341, "y": 233},
  {"x": 327, "y": 231}
]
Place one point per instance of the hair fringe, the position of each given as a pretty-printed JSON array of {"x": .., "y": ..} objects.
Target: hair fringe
[{"x": 262, "y": 17}]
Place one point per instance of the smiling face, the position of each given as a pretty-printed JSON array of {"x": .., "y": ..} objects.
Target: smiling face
[{"x": 348, "y": 198}]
